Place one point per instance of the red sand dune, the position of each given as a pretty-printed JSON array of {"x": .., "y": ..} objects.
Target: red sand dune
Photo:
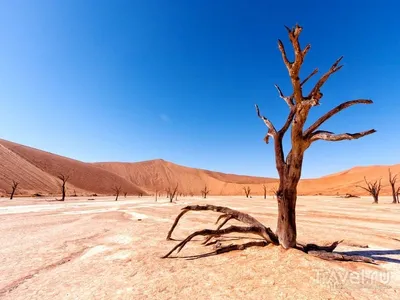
[{"x": 36, "y": 171}]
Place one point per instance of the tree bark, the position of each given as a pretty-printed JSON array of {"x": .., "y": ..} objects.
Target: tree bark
[{"x": 289, "y": 173}]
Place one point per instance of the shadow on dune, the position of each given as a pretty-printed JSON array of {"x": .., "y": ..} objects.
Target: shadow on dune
[{"x": 376, "y": 254}]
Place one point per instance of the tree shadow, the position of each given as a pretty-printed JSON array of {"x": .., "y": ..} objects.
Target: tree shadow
[
  {"x": 55, "y": 200},
  {"x": 375, "y": 254}
]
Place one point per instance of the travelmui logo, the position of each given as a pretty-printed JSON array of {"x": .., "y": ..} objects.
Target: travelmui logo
[{"x": 338, "y": 279}]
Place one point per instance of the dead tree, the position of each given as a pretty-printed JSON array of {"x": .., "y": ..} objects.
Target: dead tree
[
  {"x": 398, "y": 194},
  {"x": 289, "y": 167},
  {"x": 274, "y": 192},
  {"x": 117, "y": 190},
  {"x": 373, "y": 188},
  {"x": 392, "y": 181},
  {"x": 265, "y": 191},
  {"x": 64, "y": 179},
  {"x": 247, "y": 191},
  {"x": 14, "y": 186},
  {"x": 156, "y": 194},
  {"x": 125, "y": 193},
  {"x": 172, "y": 193},
  {"x": 205, "y": 191}
]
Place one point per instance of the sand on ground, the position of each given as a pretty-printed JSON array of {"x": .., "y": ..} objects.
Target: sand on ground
[{"x": 103, "y": 249}]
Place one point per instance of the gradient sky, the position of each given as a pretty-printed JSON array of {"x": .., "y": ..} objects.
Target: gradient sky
[{"x": 178, "y": 80}]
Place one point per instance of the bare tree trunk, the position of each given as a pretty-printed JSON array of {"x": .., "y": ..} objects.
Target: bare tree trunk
[
  {"x": 394, "y": 194},
  {"x": 392, "y": 181},
  {"x": 63, "y": 192},
  {"x": 64, "y": 179},
  {"x": 286, "y": 227},
  {"x": 14, "y": 186}
]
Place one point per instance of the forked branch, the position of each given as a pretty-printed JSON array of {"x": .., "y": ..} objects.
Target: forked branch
[
  {"x": 316, "y": 91},
  {"x": 332, "y": 112},
  {"x": 247, "y": 191},
  {"x": 288, "y": 100},
  {"x": 294, "y": 67}
]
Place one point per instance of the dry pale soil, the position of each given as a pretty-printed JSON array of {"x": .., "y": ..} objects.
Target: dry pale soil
[{"x": 102, "y": 249}]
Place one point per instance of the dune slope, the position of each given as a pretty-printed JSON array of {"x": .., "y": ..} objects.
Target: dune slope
[{"x": 36, "y": 171}]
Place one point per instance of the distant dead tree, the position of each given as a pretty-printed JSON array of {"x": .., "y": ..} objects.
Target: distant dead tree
[
  {"x": 265, "y": 191},
  {"x": 156, "y": 194},
  {"x": 117, "y": 190},
  {"x": 398, "y": 194},
  {"x": 125, "y": 193},
  {"x": 14, "y": 186},
  {"x": 392, "y": 181},
  {"x": 373, "y": 188},
  {"x": 274, "y": 191},
  {"x": 64, "y": 179},
  {"x": 172, "y": 193},
  {"x": 205, "y": 191},
  {"x": 247, "y": 191}
]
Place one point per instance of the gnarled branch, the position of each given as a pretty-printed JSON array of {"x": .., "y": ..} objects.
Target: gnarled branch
[
  {"x": 271, "y": 128},
  {"x": 288, "y": 100},
  {"x": 330, "y": 136},
  {"x": 315, "y": 92},
  {"x": 284, "y": 55},
  {"x": 332, "y": 112},
  {"x": 294, "y": 68}
]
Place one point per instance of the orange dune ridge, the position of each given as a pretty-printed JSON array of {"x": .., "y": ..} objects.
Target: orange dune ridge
[{"x": 37, "y": 171}]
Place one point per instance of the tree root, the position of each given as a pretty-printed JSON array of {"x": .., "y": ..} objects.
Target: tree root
[
  {"x": 266, "y": 232},
  {"x": 210, "y": 233},
  {"x": 255, "y": 227}
]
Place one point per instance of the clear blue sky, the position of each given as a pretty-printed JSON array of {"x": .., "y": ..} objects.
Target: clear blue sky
[{"x": 138, "y": 80}]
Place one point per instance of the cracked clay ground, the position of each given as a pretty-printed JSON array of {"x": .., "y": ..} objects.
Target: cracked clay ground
[{"x": 102, "y": 249}]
